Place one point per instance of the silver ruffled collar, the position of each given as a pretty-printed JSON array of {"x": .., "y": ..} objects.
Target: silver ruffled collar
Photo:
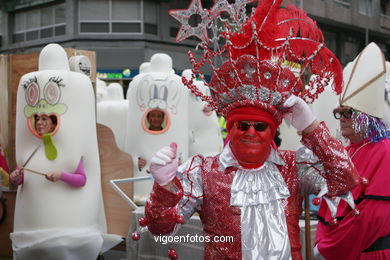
[{"x": 252, "y": 187}]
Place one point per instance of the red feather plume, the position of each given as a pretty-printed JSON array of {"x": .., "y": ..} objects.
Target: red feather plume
[{"x": 306, "y": 46}]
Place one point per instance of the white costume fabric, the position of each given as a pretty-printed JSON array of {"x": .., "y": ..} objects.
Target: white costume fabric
[
  {"x": 55, "y": 220},
  {"x": 115, "y": 92},
  {"x": 157, "y": 88},
  {"x": 80, "y": 63},
  {"x": 101, "y": 90},
  {"x": 362, "y": 81},
  {"x": 386, "y": 110},
  {"x": 205, "y": 134},
  {"x": 113, "y": 113},
  {"x": 323, "y": 109}
]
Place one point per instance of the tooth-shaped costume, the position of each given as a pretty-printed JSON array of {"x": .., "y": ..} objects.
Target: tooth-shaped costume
[
  {"x": 115, "y": 92},
  {"x": 323, "y": 108},
  {"x": 55, "y": 220},
  {"x": 205, "y": 134},
  {"x": 155, "y": 89},
  {"x": 112, "y": 114},
  {"x": 101, "y": 90}
]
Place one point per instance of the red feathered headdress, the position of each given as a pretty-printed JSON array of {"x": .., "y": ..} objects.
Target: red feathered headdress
[{"x": 267, "y": 55}]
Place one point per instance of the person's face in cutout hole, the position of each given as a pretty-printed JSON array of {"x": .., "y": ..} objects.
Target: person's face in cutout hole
[
  {"x": 155, "y": 119},
  {"x": 45, "y": 124}
]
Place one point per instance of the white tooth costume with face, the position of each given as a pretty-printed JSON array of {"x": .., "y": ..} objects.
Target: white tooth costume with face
[
  {"x": 204, "y": 132},
  {"x": 156, "y": 89},
  {"x": 54, "y": 220},
  {"x": 80, "y": 63}
]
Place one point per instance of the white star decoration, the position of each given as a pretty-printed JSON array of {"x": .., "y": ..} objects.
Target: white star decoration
[
  {"x": 200, "y": 31},
  {"x": 239, "y": 6},
  {"x": 219, "y": 7},
  {"x": 233, "y": 10},
  {"x": 184, "y": 15}
]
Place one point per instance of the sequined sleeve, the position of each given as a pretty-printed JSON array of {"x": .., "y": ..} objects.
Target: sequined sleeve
[
  {"x": 165, "y": 209},
  {"x": 310, "y": 171},
  {"x": 190, "y": 175},
  {"x": 337, "y": 168},
  {"x": 161, "y": 208}
]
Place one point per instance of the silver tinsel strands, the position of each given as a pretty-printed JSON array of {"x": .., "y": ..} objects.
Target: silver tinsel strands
[{"x": 369, "y": 127}]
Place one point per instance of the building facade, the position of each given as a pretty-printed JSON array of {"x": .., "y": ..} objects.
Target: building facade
[{"x": 126, "y": 33}]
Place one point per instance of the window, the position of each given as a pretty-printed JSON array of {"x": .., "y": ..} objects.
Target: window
[
  {"x": 365, "y": 7},
  {"x": 1, "y": 22},
  {"x": 331, "y": 40},
  {"x": 385, "y": 7},
  {"x": 345, "y": 3},
  {"x": 150, "y": 17},
  {"x": 174, "y": 24},
  {"x": 352, "y": 46},
  {"x": 110, "y": 16},
  {"x": 39, "y": 23}
]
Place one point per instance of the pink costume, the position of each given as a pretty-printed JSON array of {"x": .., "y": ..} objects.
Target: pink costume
[
  {"x": 368, "y": 235},
  {"x": 75, "y": 179},
  {"x": 220, "y": 190}
]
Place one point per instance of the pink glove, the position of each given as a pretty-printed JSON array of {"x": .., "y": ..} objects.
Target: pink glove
[
  {"x": 17, "y": 176},
  {"x": 164, "y": 164},
  {"x": 300, "y": 115}
]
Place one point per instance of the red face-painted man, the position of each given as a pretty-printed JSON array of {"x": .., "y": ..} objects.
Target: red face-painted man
[{"x": 251, "y": 190}]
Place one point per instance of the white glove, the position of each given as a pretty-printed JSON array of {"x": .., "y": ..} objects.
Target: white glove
[
  {"x": 300, "y": 115},
  {"x": 164, "y": 164}
]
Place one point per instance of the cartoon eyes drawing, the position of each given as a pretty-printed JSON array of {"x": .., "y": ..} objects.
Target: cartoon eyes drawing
[
  {"x": 159, "y": 93},
  {"x": 52, "y": 93},
  {"x": 158, "y": 97},
  {"x": 163, "y": 93},
  {"x": 32, "y": 94}
]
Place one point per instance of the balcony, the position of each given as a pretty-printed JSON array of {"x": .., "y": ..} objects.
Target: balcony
[{"x": 385, "y": 21}]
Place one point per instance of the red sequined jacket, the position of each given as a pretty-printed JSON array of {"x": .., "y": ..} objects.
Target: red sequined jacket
[{"x": 221, "y": 219}]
